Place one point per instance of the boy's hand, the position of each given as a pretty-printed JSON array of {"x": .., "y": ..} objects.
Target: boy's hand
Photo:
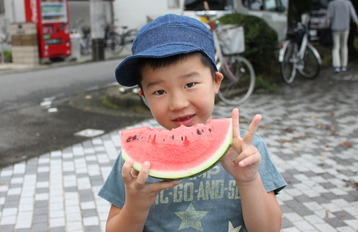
[
  {"x": 243, "y": 159},
  {"x": 139, "y": 193}
]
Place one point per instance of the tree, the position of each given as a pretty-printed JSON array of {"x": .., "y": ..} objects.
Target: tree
[
  {"x": 296, "y": 8},
  {"x": 353, "y": 52}
]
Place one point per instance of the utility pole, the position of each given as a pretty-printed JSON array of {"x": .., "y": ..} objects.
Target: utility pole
[{"x": 97, "y": 34}]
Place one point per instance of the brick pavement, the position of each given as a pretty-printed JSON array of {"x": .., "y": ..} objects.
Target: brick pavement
[{"x": 311, "y": 129}]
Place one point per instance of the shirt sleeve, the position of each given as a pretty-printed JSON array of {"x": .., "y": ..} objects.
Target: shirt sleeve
[
  {"x": 113, "y": 188},
  {"x": 353, "y": 13},
  {"x": 271, "y": 178}
]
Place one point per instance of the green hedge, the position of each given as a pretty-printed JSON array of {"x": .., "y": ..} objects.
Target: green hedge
[{"x": 261, "y": 44}]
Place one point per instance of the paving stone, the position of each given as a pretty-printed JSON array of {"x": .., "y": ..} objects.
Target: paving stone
[{"x": 335, "y": 222}]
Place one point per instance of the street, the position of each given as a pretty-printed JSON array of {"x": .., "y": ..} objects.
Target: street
[
  {"x": 23, "y": 89},
  {"x": 29, "y": 129}
]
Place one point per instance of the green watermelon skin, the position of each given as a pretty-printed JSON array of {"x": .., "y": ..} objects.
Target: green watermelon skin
[{"x": 178, "y": 153}]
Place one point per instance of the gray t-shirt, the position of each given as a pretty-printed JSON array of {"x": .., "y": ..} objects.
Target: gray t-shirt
[
  {"x": 340, "y": 13},
  {"x": 208, "y": 202}
]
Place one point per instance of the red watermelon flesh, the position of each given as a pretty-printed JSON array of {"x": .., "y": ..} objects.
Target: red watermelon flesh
[{"x": 180, "y": 152}]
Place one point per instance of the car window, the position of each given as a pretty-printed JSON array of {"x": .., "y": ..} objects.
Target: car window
[{"x": 270, "y": 5}]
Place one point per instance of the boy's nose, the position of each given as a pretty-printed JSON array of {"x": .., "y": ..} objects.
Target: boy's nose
[{"x": 178, "y": 101}]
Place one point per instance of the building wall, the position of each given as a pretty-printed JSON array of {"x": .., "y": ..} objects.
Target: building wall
[
  {"x": 82, "y": 10},
  {"x": 14, "y": 11},
  {"x": 135, "y": 14}
]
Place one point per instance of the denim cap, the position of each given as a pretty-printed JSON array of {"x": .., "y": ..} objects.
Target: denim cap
[{"x": 166, "y": 36}]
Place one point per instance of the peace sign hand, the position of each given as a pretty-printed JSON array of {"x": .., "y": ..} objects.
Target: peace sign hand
[{"x": 243, "y": 159}]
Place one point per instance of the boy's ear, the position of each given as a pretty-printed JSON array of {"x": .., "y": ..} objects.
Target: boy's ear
[
  {"x": 218, "y": 79},
  {"x": 140, "y": 92}
]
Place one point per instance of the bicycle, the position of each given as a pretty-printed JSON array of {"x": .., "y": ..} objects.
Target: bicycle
[
  {"x": 298, "y": 54},
  {"x": 115, "y": 42},
  {"x": 85, "y": 38},
  {"x": 239, "y": 75}
]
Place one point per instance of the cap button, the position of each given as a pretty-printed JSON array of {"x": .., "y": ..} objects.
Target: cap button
[{"x": 202, "y": 48}]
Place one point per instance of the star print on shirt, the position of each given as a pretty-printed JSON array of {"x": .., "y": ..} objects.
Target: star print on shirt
[
  {"x": 232, "y": 229},
  {"x": 191, "y": 218}
]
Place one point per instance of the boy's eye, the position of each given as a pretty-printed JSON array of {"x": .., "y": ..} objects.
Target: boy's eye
[
  {"x": 189, "y": 85},
  {"x": 159, "y": 92}
]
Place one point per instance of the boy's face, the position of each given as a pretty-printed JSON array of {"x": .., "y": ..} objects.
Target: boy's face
[{"x": 182, "y": 93}]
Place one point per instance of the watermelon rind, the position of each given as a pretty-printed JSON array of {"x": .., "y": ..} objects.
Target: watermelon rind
[{"x": 207, "y": 164}]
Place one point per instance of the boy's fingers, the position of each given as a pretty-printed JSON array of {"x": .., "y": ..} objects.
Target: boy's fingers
[
  {"x": 126, "y": 170},
  {"x": 254, "y": 125},
  {"x": 250, "y": 158},
  {"x": 167, "y": 184},
  {"x": 235, "y": 122},
  {"x": 143, "y": 174}
]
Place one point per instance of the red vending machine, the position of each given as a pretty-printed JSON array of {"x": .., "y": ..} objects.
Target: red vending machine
[{"x": 53, "y": 30}]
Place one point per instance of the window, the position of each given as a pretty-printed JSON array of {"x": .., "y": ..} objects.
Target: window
[
  {"x": 196, "y": 5},
  {"x": 270, "y": 5},
  {"x": 173, "y": 4},
  {"x": 2, "y": 7}
]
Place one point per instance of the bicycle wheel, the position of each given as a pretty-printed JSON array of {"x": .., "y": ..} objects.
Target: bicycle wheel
[
  {"x": 288, "y": 65},
  {"x": 114, "y": 44},
  {"x": 239, "y": 80},
  {"x": 85, "y": 47},
  {"x": 310, "y": 64},
  {"x": 128, "y": 39}
]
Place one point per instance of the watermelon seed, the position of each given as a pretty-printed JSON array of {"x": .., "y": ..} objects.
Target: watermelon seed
[
  {"x": 199, "y": 132},
  {"x": 209, "y": 129},
  {"x": 182, "y": 138},
  {"x": 173, "y": 137},
  {"x": 134, "y": 137},
  {"x": 129, "y": 139}
]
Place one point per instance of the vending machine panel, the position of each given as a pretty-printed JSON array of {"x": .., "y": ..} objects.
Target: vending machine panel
[{"x": 51, "y": 17}]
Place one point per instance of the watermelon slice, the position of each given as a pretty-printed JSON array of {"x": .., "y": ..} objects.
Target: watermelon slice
[{"x": 178, "y": 153}]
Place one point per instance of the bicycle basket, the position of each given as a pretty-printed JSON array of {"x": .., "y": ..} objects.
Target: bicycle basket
[
  {"x": 231, "y": 39},
  {"x": 296, "y": 33}
]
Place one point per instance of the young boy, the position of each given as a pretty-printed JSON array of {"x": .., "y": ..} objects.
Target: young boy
[{"x": 173, "y": 63}]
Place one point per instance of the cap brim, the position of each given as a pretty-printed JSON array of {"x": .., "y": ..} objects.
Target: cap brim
[{"x": 125, "y": 71}]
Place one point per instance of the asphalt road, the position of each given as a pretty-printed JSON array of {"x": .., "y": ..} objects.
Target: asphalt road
[{"x": 28, "y": 129}]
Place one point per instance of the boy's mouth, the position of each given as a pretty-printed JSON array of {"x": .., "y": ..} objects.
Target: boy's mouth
[{"x": 184, "y": 120}]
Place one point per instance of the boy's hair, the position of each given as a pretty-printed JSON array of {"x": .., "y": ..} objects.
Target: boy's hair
[
  {"x": 166, "y": 36},
  {"x": 164, "y": 62}
]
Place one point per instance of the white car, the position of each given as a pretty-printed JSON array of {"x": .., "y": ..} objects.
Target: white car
[{"x": 317, "y": 23}]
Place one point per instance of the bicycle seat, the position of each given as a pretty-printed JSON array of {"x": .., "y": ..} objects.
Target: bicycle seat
[{"x": 86, "y": 30}]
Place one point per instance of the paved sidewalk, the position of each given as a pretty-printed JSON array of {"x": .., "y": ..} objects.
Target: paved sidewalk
[{"x": 311, "y": 129}]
